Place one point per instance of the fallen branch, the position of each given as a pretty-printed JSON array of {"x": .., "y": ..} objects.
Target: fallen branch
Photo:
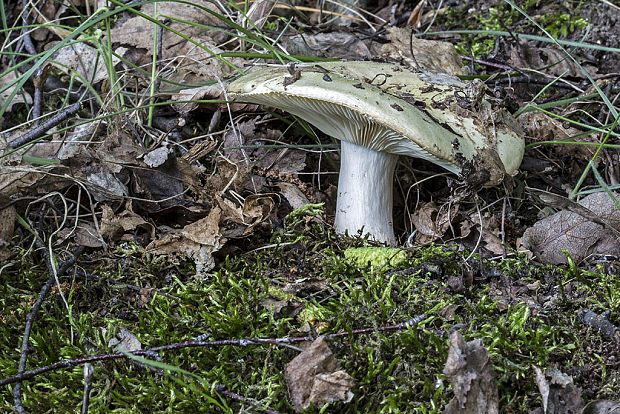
[
  {"x": 40, "y": 130},
  {"x": 194, "y": 344},
  {"x": 601, "y": 323}
]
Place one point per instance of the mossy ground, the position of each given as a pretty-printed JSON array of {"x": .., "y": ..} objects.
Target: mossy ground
[{"x": 516, "y": 308}]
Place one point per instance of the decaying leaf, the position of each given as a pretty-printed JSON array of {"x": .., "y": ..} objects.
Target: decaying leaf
[
  {"x": 197, "y": 241},
  {"x": 240, "y": 221},
  {"x": 7, "y": 226},
  {"x": 344, "y": 45},
  {"x": 81, "y": 58},
  {"x": 19, "y": 98},
  {"x": 602, "y": 407},
  {"x": 284, "y": 160},
  {"x": 314, "y": 377},
  {"x": 125, "y": 340},
  {"x": 576, "y": 234},
  {"x": 471, "y": 374},
  {"x": 543, "y": 127},
  {"x": 122, "y": 226},
  {"x": 559, "y": 394},
  {"x": 432, "y": 55},
  {"x": 187, "y": 61},
  {"x": 431, "y": 223}
]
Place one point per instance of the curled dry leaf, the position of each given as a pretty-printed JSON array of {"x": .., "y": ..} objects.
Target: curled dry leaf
[
  {"x": 315, "y": 377},
  {"x": 123, "y": 226},
  {"x": 471, "y": 374},
  {"x": 431, "y": 55},
  {"x": 559, "y": 394},
  {"x": 7, "y": 226},
  {"x": 602, "y": 407},
  {"x": 344, "y": 45},
  {"x": 197, "y": 241},
  {"x": 431, "y": 223},
  {"x": 576, "y": 233},
  {"x": 19, "y": 98},
  {"x": 240, "y": 221}
]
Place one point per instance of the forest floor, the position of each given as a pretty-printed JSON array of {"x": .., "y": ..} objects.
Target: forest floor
[{"x": 165, "y": 250}]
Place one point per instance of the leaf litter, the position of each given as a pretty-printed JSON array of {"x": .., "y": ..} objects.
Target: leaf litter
[{"x": 189, "y": 191}]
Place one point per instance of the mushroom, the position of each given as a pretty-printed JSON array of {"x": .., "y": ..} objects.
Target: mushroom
[{"x": 380, "y": 111}]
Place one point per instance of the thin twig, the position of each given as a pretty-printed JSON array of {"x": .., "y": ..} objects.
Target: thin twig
[
  {"x": 194, "y": 344},
  {"x": 17, "y": 391},
  {"x": 40, "y": 130}
]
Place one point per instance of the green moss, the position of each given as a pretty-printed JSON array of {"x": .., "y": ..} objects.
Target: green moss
[
  {"x": 325, "y": 286},
  {"x": 376, "y": 257}
]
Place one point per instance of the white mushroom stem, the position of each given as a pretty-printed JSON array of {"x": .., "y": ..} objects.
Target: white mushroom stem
[{"x": 365, "y": 192}]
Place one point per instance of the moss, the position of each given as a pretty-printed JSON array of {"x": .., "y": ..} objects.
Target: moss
[
  {"x": 375, "y": 257},
  {"x": 324, "y": 288}
]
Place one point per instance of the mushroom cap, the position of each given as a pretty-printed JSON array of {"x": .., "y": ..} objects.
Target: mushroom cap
[{"x": 386, "y": 107}]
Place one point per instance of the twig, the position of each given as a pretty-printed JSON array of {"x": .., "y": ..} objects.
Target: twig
[
  {"x": 601, "y": 323},
  {"x": 194, "y": 344},
  {"x": 39, "y": 131},
  {"x": 17, "y": 391}
]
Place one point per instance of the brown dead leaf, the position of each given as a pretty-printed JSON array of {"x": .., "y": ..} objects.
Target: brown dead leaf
[
  {"x": 577, "y": 235},
  {"x": 283, "y": 160},
  {"x": 432, "y": 55},
  {"x": 7, "y": 226},
  {"x": 315, "y": 377},
  {"x": 281, "y": 308},
  {"x": 602, "y": 407},
  {"x": 126, "y": 341},
  {"x": 414, "y": 20},
  {"x": 19, "y": 98},
  {"x": 553, "y": 60},
  {"x": 344, "y": 45},
  {"x": 240, "y": 221},
  {"x": 543, "y": 127},
  {"x": 24, "y": 178},
  {"x": 473, "y": 380},
  {"x": 187, "y": 61},
  {"x": 86, "y": 235},
  {"x": 430, "y": 223},
  {"x": 81, "y": 58},
  {"x": 122, "y": 226},
  {"x": 295, "y": 197},
  {"x": 559, "y": 394},
  {"x": 197, "y": 241}
]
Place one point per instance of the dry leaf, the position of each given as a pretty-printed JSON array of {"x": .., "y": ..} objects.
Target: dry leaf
[
  {"x": 344, "y": 45},
  {"x": 314, "y": 377},
  {"x": 295, "y": 197},
  {"x": 580, "y": 237},
  {"x": 197, "y": 241},
  {"x": 542, "y": 127},
  {"x": 432, "y": 55},
  {"x": 80, "y": 58},
  {"x": 430, "y": 223},
  {"x": 122, "y": 226},
  {"x": 7, "y": 226},
  {"x": 125, "y": 340},
  {"x": 471, "y": 374},
  {"x": 19, "y": 98},
  {"x": 559, "y": 394}
]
